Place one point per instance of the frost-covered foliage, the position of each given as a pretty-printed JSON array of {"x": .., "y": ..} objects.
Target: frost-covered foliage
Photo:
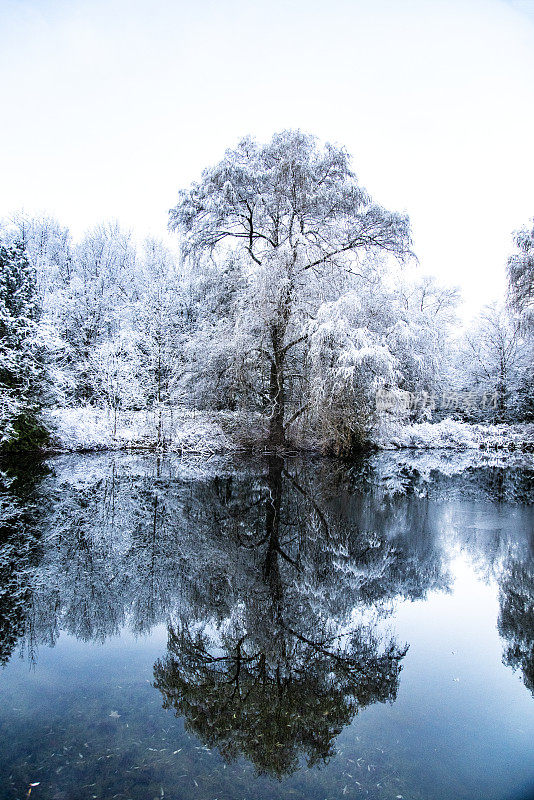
[
  {"x": 174, "y": 429},
  {"x": 303, "y": 313},
  {"x": 422, "y": 315},
  {"x": 303, "y": 321},
  {"x": 26, "y": 348},
  {"x": 113, "y": 315},
  {"x": 48, "y": 246},
  {"x": 297, "y": 221},
  {"x": 521, "y": 276},
  {"x": 371, "y": 351},
  {"x": 291, "y": 311},
  {"x": 95, "y": 305},
  {"x": 493, "y": 369},
  {"x": 159, "y": 328},
  {"x": 456, "y": 435},
  {"x": 349, "y": 365},
  {"x": 140, "y": 331}
]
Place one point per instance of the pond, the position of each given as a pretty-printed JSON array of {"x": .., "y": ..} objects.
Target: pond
[{"x": 211, "y": 630}]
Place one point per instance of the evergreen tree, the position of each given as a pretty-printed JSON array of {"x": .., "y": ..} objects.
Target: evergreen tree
[{"x": 23, "y": 353}]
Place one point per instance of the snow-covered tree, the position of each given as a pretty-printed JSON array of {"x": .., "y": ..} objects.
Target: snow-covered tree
[
  {"x": 112, "y": 364},
  {"x": 25, "y": 347},
  {"x": 424, "y": 312},
  {"x": 494, "y": 365},
  {"x": 218, "y": 375},
  {"x": 373, "y": 353},
  {"x": 521, "y": 276},
  {"x": 521, "y": 301},
  {"x": 159, "y": 322},
  {"x": 296, "y": 217},
  {"x": 48, "y": 246},
  {"x": 96, "y": 304},
  {"x": 350, "y": 363}
]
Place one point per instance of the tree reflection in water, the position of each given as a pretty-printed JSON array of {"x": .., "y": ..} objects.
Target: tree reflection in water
[
  {"x": 20, "y": 551},
  {"x": 280, "y": 678},
  {"x": 273, "y": 581},
  {"x": 516, "y": 618}
]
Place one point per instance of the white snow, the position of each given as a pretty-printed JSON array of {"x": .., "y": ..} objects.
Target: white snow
[
  {"x": 183, "y": 431},
  {"x": 451, "y": 434},
  {"x": 209, "y": 433}
]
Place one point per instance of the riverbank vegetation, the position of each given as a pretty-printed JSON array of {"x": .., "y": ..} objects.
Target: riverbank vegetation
[{"x": 291, "y": 314}]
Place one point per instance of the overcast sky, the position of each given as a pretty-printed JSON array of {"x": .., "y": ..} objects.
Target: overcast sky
[{"x": 109, "y": 106}]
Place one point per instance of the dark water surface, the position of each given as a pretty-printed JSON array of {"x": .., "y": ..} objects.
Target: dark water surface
[{"x": 298, "y": 629}]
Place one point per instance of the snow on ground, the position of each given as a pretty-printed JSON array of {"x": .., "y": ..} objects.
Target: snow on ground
[
  {"x": 210, "y": 433},
  {"x": 180, "y": 431},
  {"x": 451, "y": 434}
]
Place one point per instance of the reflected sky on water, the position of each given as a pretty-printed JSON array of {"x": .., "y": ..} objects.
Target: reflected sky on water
[{"x": 283, "y": 629}]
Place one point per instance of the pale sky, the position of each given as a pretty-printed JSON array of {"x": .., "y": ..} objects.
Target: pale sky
[{"x": 109, "y": 106}]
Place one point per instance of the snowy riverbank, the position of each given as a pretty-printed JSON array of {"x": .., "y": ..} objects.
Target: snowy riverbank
[
  {"x": 451, "y": 434},
  {"x": 210, "y": 433}
]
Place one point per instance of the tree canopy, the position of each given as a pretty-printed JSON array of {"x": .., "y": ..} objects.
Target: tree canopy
[
  {"x": 24, "y": 345},
  {"x": 521, "y": 274},
  {"x": 295, "y": 216}
]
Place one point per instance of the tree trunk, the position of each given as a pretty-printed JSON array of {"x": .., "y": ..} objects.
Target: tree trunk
[
  {"x": 277, "y": 436},
  {"x": 501, "y": 391},
  {"x": 160, "y": 423},
  {"x": 271, "y": 567}
]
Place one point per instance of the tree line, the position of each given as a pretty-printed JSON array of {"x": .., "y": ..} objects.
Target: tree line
[{"x": 291, "y": 294}]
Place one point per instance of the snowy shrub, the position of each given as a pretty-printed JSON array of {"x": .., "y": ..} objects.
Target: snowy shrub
[{"x": 451, "y": 434}]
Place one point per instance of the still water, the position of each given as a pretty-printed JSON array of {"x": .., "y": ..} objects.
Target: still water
[{"x": 279, "y": 629}]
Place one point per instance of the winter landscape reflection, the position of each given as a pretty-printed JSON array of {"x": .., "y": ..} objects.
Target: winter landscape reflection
[{"x": 290, "y": 628}]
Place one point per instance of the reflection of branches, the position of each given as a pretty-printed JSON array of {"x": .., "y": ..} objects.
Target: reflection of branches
[
  {"x": 272, "y": 706},
  {"x": 284, "y": 544},
  {"x": 354, "y": 666},
  {"x": 516, "y": 619},
  {"x": 311, "y": 501},
  {"x": 20, "y": 552},
  {"x": 282, "y": 681}
]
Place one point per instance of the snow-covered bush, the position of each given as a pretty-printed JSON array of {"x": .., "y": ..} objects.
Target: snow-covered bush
[
  {"x": 452, "y": 434},
  {"x": 349, "y": 366},
  {"x": 182, "y": 431}
]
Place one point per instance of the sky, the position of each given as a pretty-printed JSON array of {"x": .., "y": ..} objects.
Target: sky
[{"x": 110, "y": 106}]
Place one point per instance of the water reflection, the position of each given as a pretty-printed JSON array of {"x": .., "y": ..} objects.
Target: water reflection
[
  {"x": 20, "y": 550},
  {"x": 275, "y": 581},
  {"x": 281, "y": 675},
  {"x": 516, "y": 618}
]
